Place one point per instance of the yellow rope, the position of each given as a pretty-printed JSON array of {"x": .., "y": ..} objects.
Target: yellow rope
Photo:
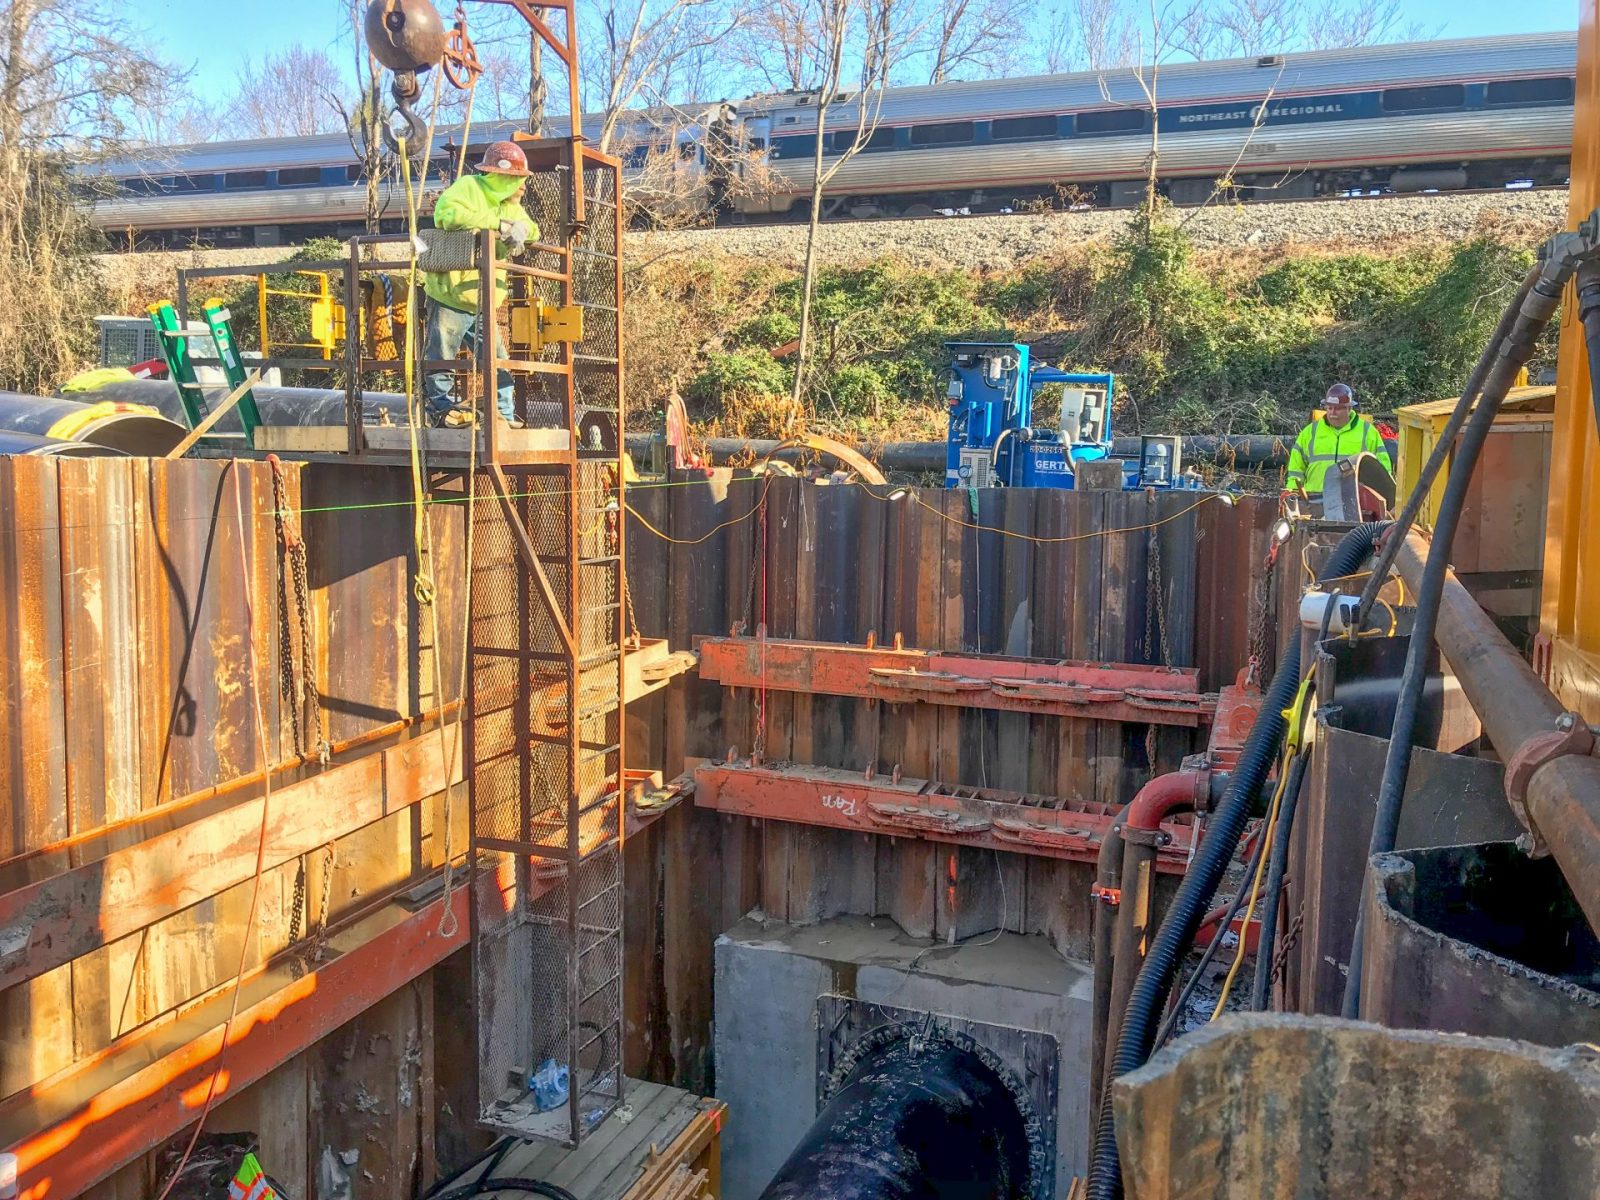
[{"x": 1255, "y": 886}]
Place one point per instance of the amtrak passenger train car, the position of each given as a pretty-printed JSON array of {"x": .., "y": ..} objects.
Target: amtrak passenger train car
[{"x": 1432, "y": 116}]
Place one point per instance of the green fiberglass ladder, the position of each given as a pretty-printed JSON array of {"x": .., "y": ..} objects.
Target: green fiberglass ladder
[{"x": 180, "y": 363}]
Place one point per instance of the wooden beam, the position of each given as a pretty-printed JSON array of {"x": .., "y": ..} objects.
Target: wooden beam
[
  {"x": 55, "y": 920},
  {"x": 80, "y": 1126}
]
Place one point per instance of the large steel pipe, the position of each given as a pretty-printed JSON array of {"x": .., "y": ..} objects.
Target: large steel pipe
[
  {"x": 1562, "y": 795},
  {"x": 1245, "y": 451},
  {"x": 917, "y": 1120},
  {"x": 293, "y": 405},
  {"x": 97, "y": 423}
]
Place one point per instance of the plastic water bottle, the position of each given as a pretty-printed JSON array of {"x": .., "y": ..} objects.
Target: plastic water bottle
[{"x": 8, "y": 1177}]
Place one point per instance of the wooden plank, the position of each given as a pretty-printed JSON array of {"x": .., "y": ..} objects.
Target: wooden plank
[
  {"x": 84, "y": 908},
  {"x": 105, "y": 1113},
  {"x": 36, "y": 1035},
  {"x": 371, "y": 1111},
  {"x": 276, "y": 1110}
]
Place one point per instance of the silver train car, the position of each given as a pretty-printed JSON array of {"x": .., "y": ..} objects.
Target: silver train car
[
  {"x": 1473, "y": 113},
  {"x": 1482, "y": 112}
]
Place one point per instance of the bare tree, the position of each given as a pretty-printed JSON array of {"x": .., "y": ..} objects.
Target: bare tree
[
  {"x": 632, "y": 47},
  {"x": 979, "y": 35},
  {"x": 1339, "y": 24},
  {"x": 293, "y": 93},
  {"x": 879, "y": 27},
  {"x": 1090, "y": 35},
  {"x": 71, "y": 77},
  {"x": 781, "y": 44}
]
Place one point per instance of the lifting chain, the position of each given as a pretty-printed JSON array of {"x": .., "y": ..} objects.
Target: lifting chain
[{"x": 297, "y": 673}]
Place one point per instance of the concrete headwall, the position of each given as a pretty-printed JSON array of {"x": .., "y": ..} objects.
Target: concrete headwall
[{"x": 769, "y": 976}]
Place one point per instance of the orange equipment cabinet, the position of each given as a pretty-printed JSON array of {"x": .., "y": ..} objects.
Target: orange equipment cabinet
[{"x": 1570, "y": 608}]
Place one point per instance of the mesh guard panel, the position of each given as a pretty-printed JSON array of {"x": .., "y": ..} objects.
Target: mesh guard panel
[{"x": 546, "y": 730}]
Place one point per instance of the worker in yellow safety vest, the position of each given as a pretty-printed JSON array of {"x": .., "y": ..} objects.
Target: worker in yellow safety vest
[
  {"x": 487, "y": 199},
  {"x": 1338, "y": 434}
]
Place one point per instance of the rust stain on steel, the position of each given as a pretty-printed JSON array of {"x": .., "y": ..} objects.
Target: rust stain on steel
[
  {"x": 1088, "y": 690},
  {"x": 73, "y": 913},
  {"x": 918, "y": 808},
  {"x": 32, "y": 716},
  {"x": 65, "y": 1143}
]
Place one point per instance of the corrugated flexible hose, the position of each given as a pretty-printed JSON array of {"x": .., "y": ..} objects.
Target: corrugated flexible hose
[{"x": 1224, "y": 831}]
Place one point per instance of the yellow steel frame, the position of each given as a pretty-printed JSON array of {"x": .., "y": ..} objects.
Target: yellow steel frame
[
  {"x": 327, "y": 315},
  {"x": 1570, "y": 610}
]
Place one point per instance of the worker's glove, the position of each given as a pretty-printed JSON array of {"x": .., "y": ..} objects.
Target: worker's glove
[{"x": 515, "y": 234}]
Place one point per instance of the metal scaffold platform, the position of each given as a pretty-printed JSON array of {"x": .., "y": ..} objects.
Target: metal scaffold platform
[{"x": 547, "y": 683}]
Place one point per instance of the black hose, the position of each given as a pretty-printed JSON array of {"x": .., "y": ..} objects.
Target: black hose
[
  {"x": 485, "y": 1164},
  {"x": 487, "y": 1187},
  {"x": 1173, "y": 938},
  {"x": 1275, "y": 868},
  {"x": 1589, "y": 313},
  {"x": 1443, "y": 446},
  {"x": 1175, "y": 1013},
  {"x": 1538, "y": 306}
]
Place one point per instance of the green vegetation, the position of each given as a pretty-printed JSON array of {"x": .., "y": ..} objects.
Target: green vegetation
[{"x": 1239, "y": 342}]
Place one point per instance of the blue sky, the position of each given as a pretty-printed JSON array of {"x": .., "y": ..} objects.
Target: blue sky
[{"x": 214, "y": 39}]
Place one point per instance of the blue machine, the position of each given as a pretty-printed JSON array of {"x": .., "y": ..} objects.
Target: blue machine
[{"x": 992, "y": 441}]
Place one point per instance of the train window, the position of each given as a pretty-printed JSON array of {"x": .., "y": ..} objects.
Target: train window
[
  {"x": 141, "y": 185},
  {"x": 756, "y": 143},
  {"x": 687, "y": 150},
  {"x": 950, "y": 133},
  {"x": 298, "y": 176},
  {"x": 1424, "y": 99},
  {"x": 192, "y": 183},
  {"x": 1530, "y": 91},
  {"x": 1111, "y": 120},
  {"x": 842, "y": 141},
  {"x": 354, "y": 173},
  {"x": 244, "y": 179},
  {"x": 1016, "y": 129}
]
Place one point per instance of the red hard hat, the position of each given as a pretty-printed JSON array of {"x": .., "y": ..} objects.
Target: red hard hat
[{"x": 504, "y": 158}]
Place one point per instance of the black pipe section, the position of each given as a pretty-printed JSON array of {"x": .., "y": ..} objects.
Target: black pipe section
[
  {"x": 1247, "y": 451},
  {"x": 1534, "y": 313},
  {"x": 1210, "y": 863},
  {"x": 920, "y": 1119},
  {"x": 49, "y": 447},
  {"x": 1443, "y": 447},
  {"x": 1108, "y": 883},
  {"x": 1176, "y": 1011},
  {"x": 292, "y": 405},
  {"x": 1275, "y": 868},
  {"x": 129, "y": 433},
  {"x": 1589, "y": 313}
]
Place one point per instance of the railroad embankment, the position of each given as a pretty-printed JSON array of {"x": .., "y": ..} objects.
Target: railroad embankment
[{"x": 1227, "y": 319}]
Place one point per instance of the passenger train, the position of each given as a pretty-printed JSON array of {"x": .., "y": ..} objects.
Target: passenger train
[{"x": 1433, "y": 116}]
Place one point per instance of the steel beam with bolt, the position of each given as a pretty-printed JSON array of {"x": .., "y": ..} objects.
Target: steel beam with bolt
[
  {"x": 897, "y": 675},
  {"x": 1552, "y": 775},
  {"x": 1047, "y": 826}
]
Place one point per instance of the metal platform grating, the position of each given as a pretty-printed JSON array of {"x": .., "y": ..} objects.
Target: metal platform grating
[{"x": 546, "y": 731}]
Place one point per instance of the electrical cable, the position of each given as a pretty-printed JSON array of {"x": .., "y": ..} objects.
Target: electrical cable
[
  {"x": 1267, "y": 832},
  {"x": 1176, "y": 932},
  {"x": 488, "y": 1187},
  {"x": 1538, "y": 305},
  {"x": 1175, "y": 1013},
  {"x": 1275, "y": 868},
  {"x": 261, "y": 847}
]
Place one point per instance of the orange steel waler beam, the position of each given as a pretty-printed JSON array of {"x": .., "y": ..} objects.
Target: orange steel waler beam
[
  {"x": 896, "y": 675},
  {"x": 1049, "y": 827},
  {"x": 78, "y": 1128}
]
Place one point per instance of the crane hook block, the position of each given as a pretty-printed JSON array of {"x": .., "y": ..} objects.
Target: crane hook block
[{"x": 405, "y": 35}]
